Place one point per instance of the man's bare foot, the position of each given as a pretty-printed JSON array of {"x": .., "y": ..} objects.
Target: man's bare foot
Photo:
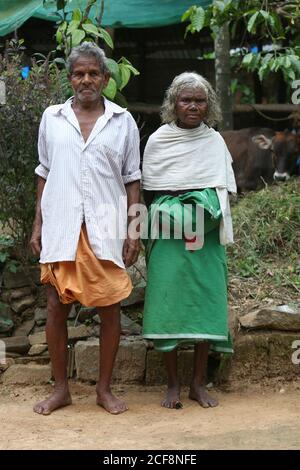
[
  {"x": 110, "y": 403},
  {"x": 172, "y": 398},
  {"x": 58, "y": 399},
  {"x": 200, "y": 394}
]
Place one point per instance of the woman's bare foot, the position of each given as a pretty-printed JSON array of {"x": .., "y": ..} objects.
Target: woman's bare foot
[
  {"x": 110, "y": 403},
  {"x": 172, "y": 398},
  {"x": 201, "y": 395},
  {"x": 58, "y": 399}
]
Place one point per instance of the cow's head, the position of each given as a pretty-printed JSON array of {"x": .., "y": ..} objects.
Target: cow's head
[{"x": 285, "y": 148}]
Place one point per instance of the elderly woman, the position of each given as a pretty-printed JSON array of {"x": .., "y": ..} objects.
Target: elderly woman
[{"x": 187, "y": 165}]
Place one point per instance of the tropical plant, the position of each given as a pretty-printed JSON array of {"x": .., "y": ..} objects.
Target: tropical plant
[
  {"x": 19, "y": 123},
  {"x": 275, "y": 24},
  {"x": 85, "y": 25}
]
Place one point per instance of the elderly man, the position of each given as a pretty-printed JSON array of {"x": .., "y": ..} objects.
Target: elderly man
[{"x": 87, "y": 178}]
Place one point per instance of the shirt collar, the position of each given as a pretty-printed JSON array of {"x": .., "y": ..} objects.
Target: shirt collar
[{"x": 110, "y": 108}]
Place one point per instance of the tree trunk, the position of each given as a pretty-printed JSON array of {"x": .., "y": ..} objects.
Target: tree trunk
[{"x": 223, "y": 76}]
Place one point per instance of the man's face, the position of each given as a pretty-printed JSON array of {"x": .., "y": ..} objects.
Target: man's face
[
  {"x": 191, "y": 108},
  {"x": 87, "y": 80}
]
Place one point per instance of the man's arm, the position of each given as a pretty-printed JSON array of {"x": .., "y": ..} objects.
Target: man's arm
[
  {"x": 35, "y": 241},
  {"x": 131, "y": 246}
]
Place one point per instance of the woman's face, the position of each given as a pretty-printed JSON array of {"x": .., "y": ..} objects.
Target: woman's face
[{"x": 191, "y": 108}]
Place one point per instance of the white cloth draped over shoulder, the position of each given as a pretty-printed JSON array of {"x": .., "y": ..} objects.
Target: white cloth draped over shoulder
[{"x": 198, "y": 158}]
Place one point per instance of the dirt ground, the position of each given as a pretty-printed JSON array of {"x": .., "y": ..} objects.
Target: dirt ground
[{"x": 257, "y": 419}]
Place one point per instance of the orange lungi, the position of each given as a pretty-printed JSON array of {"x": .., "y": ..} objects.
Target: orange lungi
[{"x": 90, "y": 281}]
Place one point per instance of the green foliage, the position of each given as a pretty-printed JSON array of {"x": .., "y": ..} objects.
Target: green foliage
[
  {"x": 247, "y": 93},
  {"x": 271, "y": 22},
  {"x": 80, "y": 27},
  {"x": 19, "y": 121},
  {"x": 6, "y": 246},
  {"x": 267, "y": 234}
]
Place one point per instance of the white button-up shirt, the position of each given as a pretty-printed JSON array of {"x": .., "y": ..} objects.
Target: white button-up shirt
[{"x": 85, "y": 181}]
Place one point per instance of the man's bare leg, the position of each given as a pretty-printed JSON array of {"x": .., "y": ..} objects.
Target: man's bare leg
[
  {"x": 110, "y": 330},
  {"x": 198, "y": 390},
  {"x": 172, "y": 398},
  {"x": 57, "y": 339}
]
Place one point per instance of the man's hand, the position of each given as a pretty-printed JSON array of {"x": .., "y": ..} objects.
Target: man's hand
[
  {"x": 35, "y": 241},
  {"x": 131, "y": 249}
]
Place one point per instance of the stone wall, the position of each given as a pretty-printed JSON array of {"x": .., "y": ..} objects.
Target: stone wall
[{"x": 263, "y": 341}]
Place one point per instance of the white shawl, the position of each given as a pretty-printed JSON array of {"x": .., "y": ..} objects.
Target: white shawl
[{"x": 177, "y": 158}]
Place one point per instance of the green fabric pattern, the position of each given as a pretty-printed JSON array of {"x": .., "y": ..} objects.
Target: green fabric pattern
[
  {"x": 186, "y": 295},
  {"x": 117, "y": 13}
]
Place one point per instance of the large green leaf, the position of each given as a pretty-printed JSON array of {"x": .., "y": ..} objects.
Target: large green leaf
[
  {"x": 115, "y": 72},
  {"x": 106, "y": 37},
  {"x": 125, "y": 74},
  {"x": 77, "y": 15},
  {"x": 90, "y": 28},
  {"x": 252, "y": 22},
  {"x": 198, "y": 19},
  {"x": 73, "y": 26},
  {"x": 77, "y": 37},
  {"x": 111, "y": 89}
]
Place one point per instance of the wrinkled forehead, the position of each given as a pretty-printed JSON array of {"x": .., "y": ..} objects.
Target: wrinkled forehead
[
  {"x": 86, "y": 62},
  {"x": 190, "y": 91}
]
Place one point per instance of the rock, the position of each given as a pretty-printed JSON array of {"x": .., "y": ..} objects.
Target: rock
[
  {"x": 28, "y": 314},
  {"x": 129, "y": 327},
  {"x": 260, "y": 356},
  {"x": 138, "y": 272},
  {"x": 30, "y": 374},
  {"x": 35, "y": 274},
  {"x": 87, "y": 313},
  {"x": 6, "y": 311},
  {"x": 40, "y": 316},
  {"x": 19, "y": 305},
  {"x": 16, "y": 344},
  {"x": 74, "y": 333},
  {"x": 73, "y": 312},
  {"x": 33, "y": 359},
  {"x": 137, "y": 295},
  {"x": 130, "y": 361},
  {"x": 41, "y": 300},
  {"x": 96, "y": 319},
  {"x": 6, "y": 325},
  {"x": 24, "y": 329},
  {"x": 9, "y": 361},
  {"x": 19, "y": 293},
  {"x": 6, "y": 320},
  {"x": 156, "y": 370},
  {"x": 5, "y": 295},
  {"x": 94, "y": 330},
  {"x": 37, "y": 349},
  {"x": 283, "y": 317},
  {"x": 15, "y": 280}
]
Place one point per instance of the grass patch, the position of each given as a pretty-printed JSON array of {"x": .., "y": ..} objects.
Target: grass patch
[{"x": 265, "y": 258}]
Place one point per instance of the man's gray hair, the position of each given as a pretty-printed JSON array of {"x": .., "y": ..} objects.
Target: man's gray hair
[
  {"x": 193, "y": 81},
  {"x": 88, "y": 49}
]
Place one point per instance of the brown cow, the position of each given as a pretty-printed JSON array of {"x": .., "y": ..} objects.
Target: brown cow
[{"x": 262, "y": 155}]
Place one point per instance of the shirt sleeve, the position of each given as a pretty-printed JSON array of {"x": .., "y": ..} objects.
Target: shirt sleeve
[
  {"x": 43, "y": 168},
  {"x": 131, "y": 160}
]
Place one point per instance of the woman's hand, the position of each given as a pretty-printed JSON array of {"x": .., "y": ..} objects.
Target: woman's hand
[{"x": 131, "y": 249}]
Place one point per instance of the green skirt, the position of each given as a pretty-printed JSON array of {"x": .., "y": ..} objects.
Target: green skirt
[{"x": 186, "y": 294}]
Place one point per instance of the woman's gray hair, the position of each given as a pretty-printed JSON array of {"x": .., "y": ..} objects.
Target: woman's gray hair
[
  {"x": 194, "y": 81},
  {"x": 88, "y": 49}
]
